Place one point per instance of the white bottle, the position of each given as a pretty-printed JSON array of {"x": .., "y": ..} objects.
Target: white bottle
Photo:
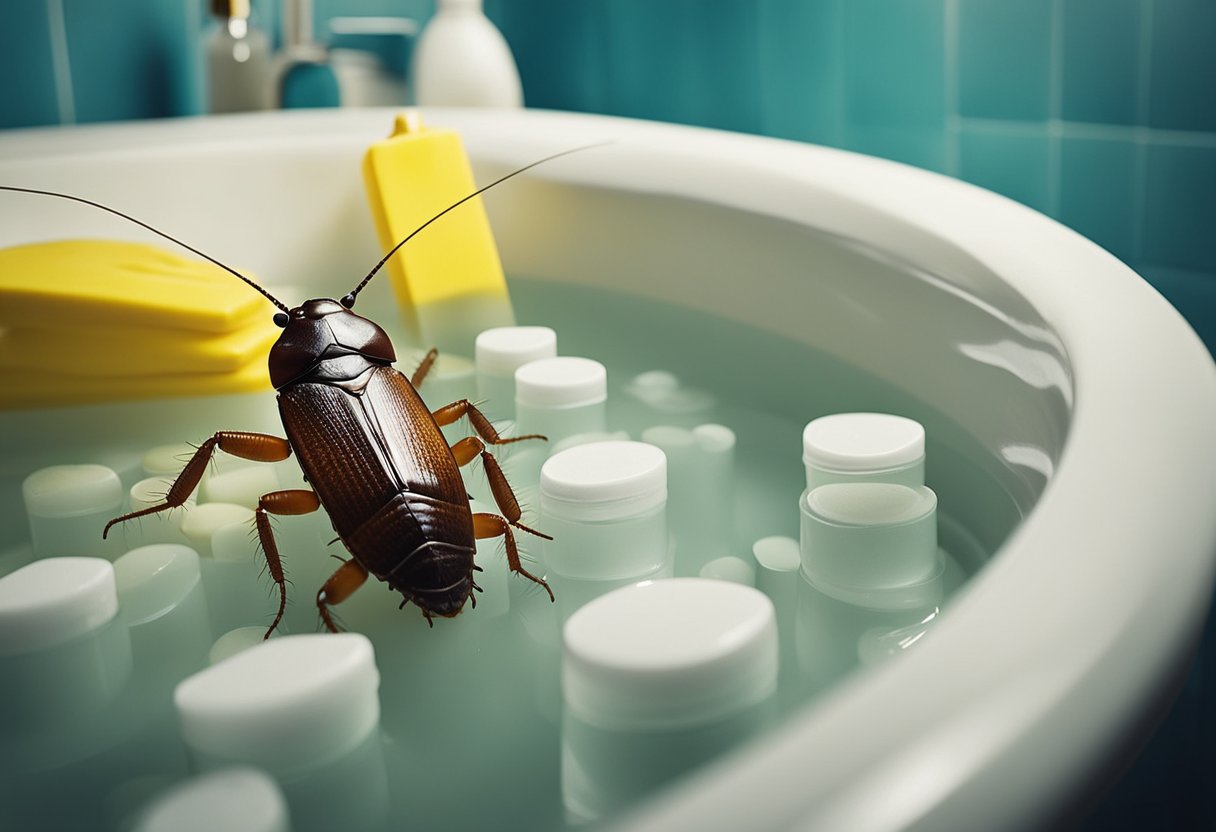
[
  {"x": 238, "y": 60},
  {"x": 462, "y": 60}
]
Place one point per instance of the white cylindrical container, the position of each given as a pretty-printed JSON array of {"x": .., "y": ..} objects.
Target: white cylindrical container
[
  {"x": 604, "y": 504},
  {"x": 873, "y": 447},
  {"x": 304, "y": 708},
  {"x": 498, "y": 353},
  {"x": 557, "y": 398},
  {"x": 658, "y": 678},
  {"x": 65, "y": 657},
  {"x": 869, "y": 560},
  {"x": 68, "y": 508}
]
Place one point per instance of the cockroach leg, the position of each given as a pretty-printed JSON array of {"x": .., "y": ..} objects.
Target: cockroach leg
[
  {"x": 491, "y": 525},
  {"x": 340, "y": 586},
  {"x": 450, "y": 413},
  {"x": 287, "y": 502},
  {"x": 259, "y": 447},
  {"x": 425, "y": 367}
]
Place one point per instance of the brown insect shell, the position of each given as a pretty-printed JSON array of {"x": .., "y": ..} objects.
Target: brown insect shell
[{"x": 324, "y": 332}]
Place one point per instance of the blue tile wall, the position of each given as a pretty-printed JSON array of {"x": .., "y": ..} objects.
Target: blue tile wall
[
  {"x": 1004, "y": 58},
  {"x": 29, "y": 97},
  {"x": 1103, "y": 41},
  {"x": 1183, "y": 74},
  {"x": 1180, "y": 206},
  {"x": 1098, "y": 192}
]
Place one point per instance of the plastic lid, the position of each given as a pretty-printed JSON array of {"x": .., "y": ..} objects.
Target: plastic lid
[
  {"x": 288, "y": 702},
  {"x": 54, "y": 600},
  {"x": 503, "y": 350},
  {"x": 234, "y": 641},
  {"x": 867, "y": 536},
  {"x": 204, "y": 520},
  {"x": 72, "y": 490},
  {"x": 668, "y": 654},
  {"x": 862, "y": 442},
  {"x": 233, "y": 799},
  {"x": 604, "y": 481},
  {"x": 152, "y": 580},
  {"x": 564, "y": 381},
  {"x": 730, "y": 568}
]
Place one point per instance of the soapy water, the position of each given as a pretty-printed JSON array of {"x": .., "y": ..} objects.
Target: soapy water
[{"x": 471, "y": 725}]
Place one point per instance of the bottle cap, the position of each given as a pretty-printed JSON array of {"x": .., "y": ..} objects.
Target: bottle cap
[
  {"x": 560, "y": 382},
  {"x": 604, "y": 481},
  {"x": 669, "y": 654},
  {"x": 55, "y": 600},
  {"x": 503, "y": 350},
  {"x": 72, "y": 491},
  {"x": 152, "y": 580},
  {"x": 862, "y": 442},
  {"x": 289, "y": 702}
]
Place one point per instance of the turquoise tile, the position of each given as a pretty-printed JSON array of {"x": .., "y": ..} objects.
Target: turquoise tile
[
  {"x": 1098, "y": 192},
  {"x": 1182, "y": 95},
  {"x": 134, "y": 58},
  {"x": 1180, "y": 207},
  {"x": 1101, "y": 62},
  {"x": 560, "y": 48},
  {"x": 649, "y": 64},
  {"x": 802, "y": 69},
  {"x": 1004, "y": 59},
  {"x": 689, "y": 61},
  {"x": 922, "y": 147},
  {"x": 1013, "y": 164},
  {"x": 25, "y": 54},
  {"x": 895, "y": 63}
]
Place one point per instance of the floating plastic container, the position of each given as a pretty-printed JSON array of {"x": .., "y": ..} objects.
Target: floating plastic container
[
  {"x": 68, "y": 506},
  {"x": 869, "y": 562},
  {"x": 605, "y": 504},
  {"x": 657, "y": 678}
]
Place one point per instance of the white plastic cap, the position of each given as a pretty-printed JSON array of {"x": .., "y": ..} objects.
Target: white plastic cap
[
  {"x": 564, "y": 381},
  {"x": 503, "y": 350},
  {"x": 669, "y": 653},
  {"x": 152, "y": 580},
  {"x": 55, "y": 600},
  {"x": 166, "y": 460},
  {"x": 232, "y": 799},
  {"x": 604, "y": 481},
  {"x": 288, "y": 702},
  {"x": 860, "y": 442},
  {"x": 204, "y": 520},
  {"x": 72, "y": 490}
]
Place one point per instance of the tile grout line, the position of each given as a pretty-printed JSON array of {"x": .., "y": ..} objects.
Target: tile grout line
[
  {"x": 1055, "y": 107},
  {"x": 953, "y": 118},
  {"x": 1144, "y": 132},
  {"x": 64, "y": 94}
]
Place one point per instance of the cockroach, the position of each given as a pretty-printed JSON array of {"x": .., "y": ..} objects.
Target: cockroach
[{"x": 373, "y": 454}]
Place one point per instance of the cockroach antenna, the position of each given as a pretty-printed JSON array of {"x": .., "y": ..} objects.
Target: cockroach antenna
[
  {"x": 349, "y": 299},
  {"x": 154, "y": 230}
]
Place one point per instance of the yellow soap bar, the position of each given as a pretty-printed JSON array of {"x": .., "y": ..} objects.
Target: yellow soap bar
[
  {"x": 410, "y": 177},
  {"x": 21, "y": 389},
  {"x": 134, "y": 351},
  {"x": 111, "y": 283}
]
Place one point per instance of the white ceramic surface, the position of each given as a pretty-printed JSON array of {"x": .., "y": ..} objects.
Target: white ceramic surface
[{"x": 1001, "y": 719}]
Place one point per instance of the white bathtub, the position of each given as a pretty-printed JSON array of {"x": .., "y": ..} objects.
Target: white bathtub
[{"x": 1096, "y": 405}]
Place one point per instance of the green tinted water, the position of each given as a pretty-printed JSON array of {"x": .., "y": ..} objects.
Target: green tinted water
[{"x": 471, "y": 714}]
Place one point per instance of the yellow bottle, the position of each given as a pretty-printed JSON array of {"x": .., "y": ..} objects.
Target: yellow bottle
[{"x": 449, "y": 279}]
